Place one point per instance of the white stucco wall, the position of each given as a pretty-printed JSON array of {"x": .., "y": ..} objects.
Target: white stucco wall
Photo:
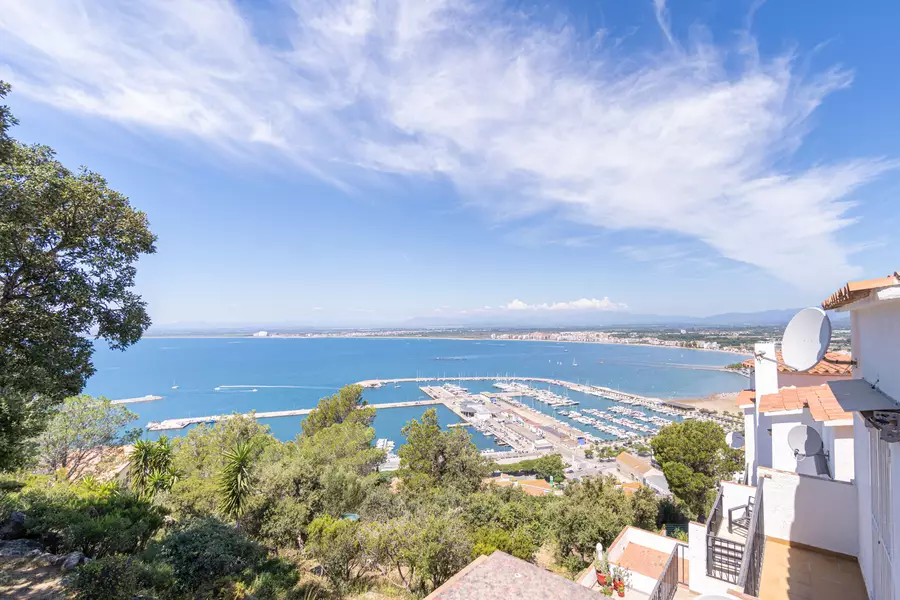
[
  {"x": 750, "y": 439},
  {"x": 782, "y": 453},
  {"x": 875, "y": 345},
  {"x": 787, "y": 379},
  {"x": 841, "y": 449},
  {"x": 811, "y": 510},
  {"x": 864, "y": 498},
  {"x": 735, "y": 494},
  {"x": 765, "y": 382}
]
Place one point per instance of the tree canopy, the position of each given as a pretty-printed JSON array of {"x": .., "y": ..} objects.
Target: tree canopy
[
  {"x": 79, "y": 430},
  {"x": 433, "y": 457},
  {"x": 346, "y": 405},
  {"x": 68, "y": 249},
  {"x": 694, "y": 457}
]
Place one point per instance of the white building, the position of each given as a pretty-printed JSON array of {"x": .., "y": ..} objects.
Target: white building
[{"x": 810, "y": 529}]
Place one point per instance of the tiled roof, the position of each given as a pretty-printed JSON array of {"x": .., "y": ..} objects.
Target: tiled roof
[
  {"x": 503, "y": 576},
  {"x": 857, "y": 290},
  {"x": 835, "y": 364},
  {"x": 641, "y": 466},
  {"x": 630, "y": 487},
  {"x": 819, "y": 399},
  {"x": 745, "y": 398},
  {"x": 532, "y": 487}
]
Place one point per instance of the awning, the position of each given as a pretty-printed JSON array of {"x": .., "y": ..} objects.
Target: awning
[{"x": 857, "y": 395}]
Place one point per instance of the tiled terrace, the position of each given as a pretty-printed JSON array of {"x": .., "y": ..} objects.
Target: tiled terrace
[{"x": 791, "y": 573}]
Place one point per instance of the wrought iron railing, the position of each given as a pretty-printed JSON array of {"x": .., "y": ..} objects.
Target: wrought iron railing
[
  {"x": 724, "y": 557},
  {"x": 751, "y": 566},
  {"x": 674, "y": 572}
]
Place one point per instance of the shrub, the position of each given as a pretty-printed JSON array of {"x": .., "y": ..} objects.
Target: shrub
[
  {"x": 108, "y": 578},
  {"x": 97, "y": 521},
  {"x": 205, "y": 551}
]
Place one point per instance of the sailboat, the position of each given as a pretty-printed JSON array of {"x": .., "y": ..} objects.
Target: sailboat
[
  {"x": 174, "y": 386},
  {"x": 574, "y": 364}
]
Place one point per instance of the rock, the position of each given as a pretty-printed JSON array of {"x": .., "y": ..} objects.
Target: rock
[
  {"x": 73, "y": 560},
  {"x": 19, "y": 548},
  {"x": 33, "y": 553},
  {"x": 13, "y": 528},
  {"x": 48, "y": 559}
]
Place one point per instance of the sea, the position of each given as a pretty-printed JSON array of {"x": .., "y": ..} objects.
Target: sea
[{"x": 273, "y": 374}]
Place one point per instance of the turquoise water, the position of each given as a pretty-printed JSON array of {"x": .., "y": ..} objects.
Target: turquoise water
[{"x": 293, "y": 373}]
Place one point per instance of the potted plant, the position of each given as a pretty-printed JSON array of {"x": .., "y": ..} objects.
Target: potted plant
[
  {"x": 606, "y": 591},
  {"x": 601, "y": 566}
]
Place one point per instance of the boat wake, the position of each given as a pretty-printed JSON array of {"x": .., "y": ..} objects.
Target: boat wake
[{"x": 288, "y": 387}]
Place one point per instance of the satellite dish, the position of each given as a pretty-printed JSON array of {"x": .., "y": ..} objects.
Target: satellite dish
[
  {"x": 804, "y": 441},
  {"x": 734, "y": 439},
  {"x": 806, "y": 339}
]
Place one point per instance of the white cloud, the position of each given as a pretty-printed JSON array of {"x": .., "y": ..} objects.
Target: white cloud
[
  {"x": 316, "y": 308},
  {"x": 521, "y": 117},
  {"x": 584, "y": 304}
]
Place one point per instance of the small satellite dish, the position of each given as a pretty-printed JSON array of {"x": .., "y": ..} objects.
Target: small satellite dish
[
  {"x": 804, "y": 441},
  {"x": 806, "y": 339},
  {"x": 734, "y": 439}
]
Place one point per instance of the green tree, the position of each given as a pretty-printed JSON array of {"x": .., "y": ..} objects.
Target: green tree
[
  {"x": 645, "y": 507},
  {"x": 68, "y": 248},
  {"x": 337, "y": 545},
  {"x": 432, "y": 457},
  {"x": 345, "y": 406},
  {"x": 79, "y": 430},
  {"x": 592, "y": 511},
  {"x": 236, "y": 481},
  {"x": 694, "y": 457},
  {"x": 544, "y": 467},
  {"x": 199, "y": 458}
]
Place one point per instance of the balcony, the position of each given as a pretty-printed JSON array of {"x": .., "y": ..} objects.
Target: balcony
[{"x": 735, "y": 537}]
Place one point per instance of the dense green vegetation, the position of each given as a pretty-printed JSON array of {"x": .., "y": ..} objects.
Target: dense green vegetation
[
  {"x": 694, "y": 458},
  {"x": 68, "y": 249},
  {"x": 545, "y": 467},
  {"x": 228, "y": 510}
]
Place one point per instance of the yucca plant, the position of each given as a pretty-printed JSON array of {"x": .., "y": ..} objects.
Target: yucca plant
[{"x": 236, "y": 481}]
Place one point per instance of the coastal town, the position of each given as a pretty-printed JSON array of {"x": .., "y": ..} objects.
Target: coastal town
[{"x": 722, "y": 339}]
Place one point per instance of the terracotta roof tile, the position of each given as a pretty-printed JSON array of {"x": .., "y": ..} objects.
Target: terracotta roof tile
[
  {"x": 819, "y": 399},
  {"x": 857, "y": 290},
  {"x": 835, "y": 364},
  {"x": 745, "y": 398}
]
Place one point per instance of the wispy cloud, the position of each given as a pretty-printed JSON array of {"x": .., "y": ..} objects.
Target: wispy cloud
[
  {"x": 584, "y": 304},
  {"x": 523, "y": 118}
]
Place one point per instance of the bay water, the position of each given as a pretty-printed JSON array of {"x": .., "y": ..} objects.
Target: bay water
[{"x": 272, "y": 374}]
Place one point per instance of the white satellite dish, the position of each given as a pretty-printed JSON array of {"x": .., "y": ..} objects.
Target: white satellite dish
[
  {"x": 807, "y": 443},
  {"x": 806, "y": 339},
  {"x": 804, "y": 441},
  {"x": 734, "y": 439}
]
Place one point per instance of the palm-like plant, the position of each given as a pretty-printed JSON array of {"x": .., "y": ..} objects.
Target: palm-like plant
[
  {"x": 150, "y": 467},
  {"x": 236, "y": 480}
]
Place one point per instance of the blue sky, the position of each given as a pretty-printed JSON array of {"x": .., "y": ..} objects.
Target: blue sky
[{"x": 365, "y": 162}]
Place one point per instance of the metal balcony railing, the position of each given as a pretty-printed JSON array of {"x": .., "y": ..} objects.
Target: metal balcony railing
[
  {"x": 674, "y": 572},
  {"x": 751, "y": 567},
  {"x": 724, "y": 557}
]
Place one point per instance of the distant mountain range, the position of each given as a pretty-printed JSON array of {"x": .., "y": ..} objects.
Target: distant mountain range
[
  {"x": 611, "y": 319},
  {"x": 517, "y": 320}
]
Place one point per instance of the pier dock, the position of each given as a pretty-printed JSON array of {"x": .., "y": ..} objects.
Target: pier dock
[
  {"x": 147, "y": 398},
  {"x": 185, "y": 422}
]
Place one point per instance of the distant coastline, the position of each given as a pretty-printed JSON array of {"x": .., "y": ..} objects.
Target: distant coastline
[{"x": 277, "y": 336}]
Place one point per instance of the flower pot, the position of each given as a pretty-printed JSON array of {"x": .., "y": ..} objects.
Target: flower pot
[
  {"x": 601, "y": 578},
  {"x": 621, "y": 593}
]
